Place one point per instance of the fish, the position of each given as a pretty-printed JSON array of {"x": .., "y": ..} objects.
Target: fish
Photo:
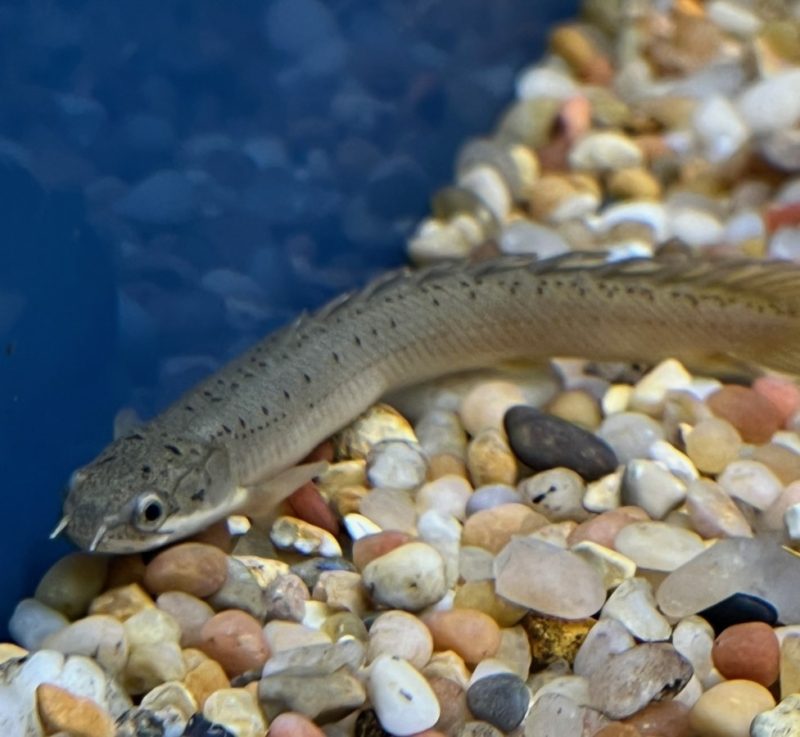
[{"x": 235, "y": 441}]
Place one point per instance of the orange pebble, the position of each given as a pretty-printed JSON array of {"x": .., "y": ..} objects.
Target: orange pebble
[
  {"x": 750, "y": 651},
  {"x": 290, "y": 724},
  {"x": 366, "y": 549},
  {"x": 755, "y": 417},
  {"x": 235, "y": 640},
  {"x": 194, "y": 568},
  {"x": 471, "y": 634},
  {"x": 308, "y": 504},
  {"x": 783, "y": 393}
]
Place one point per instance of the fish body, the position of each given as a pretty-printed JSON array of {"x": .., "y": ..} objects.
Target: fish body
[{"x": 231, "y": 440}]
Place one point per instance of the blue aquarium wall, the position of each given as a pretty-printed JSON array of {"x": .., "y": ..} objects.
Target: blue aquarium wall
[{"x": 178, "y": 179}]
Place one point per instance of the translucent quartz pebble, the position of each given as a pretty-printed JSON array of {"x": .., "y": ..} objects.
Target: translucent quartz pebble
[
  {"x": 758, "y": 566},
  {"x": 712, "y": 444},
  {"x": 548, "y": 579},
  {"x": 713, "y": 513},
  {"x": 630, "y": 434},
  {"x": 658, "y": 546},
  {"x": 751, "y": 482}
]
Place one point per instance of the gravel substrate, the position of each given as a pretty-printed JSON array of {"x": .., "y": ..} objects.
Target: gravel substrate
[{"x": 454, "y": 571}]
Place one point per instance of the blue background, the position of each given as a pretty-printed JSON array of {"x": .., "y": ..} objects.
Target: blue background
[{"x": 179, "y": 178}]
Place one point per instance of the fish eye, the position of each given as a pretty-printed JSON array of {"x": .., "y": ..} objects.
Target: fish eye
[{"x": 149, "y": 513}]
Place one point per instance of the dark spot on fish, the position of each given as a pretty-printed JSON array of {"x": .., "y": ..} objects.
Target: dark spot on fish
[
  {"x": 199, "y": 495},
  {"x": 189, "y": 408},
  {"x": 336, "y": 357},
  {"x": 227, "y": 429},
  {"x": 173, "y": 449},
  {"x": 435, "y": 302},
  {"x": 262, "y": 364},
  {"x": 234, "y": 385},
  {"x": 286, "y": 394},
  {"x": 105, "y": 460},
  {"x": 358, "y": 341},
  {"x": 221, "y": 382},
  {"x": 248, "y": 374},
  {"x": 393, "y": 323},
  {"x": 136, "y": 436},
  {"x": 242, "y": 423},
  {"x": 146, "y": 469},
  {"x": 307, "y": 378},
  {"x": 265, "y": 410},
  {"x": 472, "y": 294}
]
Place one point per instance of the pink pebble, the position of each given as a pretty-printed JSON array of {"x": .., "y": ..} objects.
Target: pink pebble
[
  {"x": 576, "y": 117},
  {"x": 604, "y": 528},
  {"x": 308, "y": 504},
  {"x": 783, "y": 393},
  {"x": 290, "y": 724}
]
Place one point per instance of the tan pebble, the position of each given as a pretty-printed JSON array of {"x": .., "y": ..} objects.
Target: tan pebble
[
  {"x": 490, "y": 460},
  {"x": 291, "y": 533},
  {"x": 790, "y": 665},
  {"x": 204, "y": 679},
  {"x": 345, "y": 624},
  {"x": 286, "y": 598},
  {"x": 217, "y": 535},
  {"x": 380, "y": 422},
  {"x": 171, "y": 694},
  {"x": 281, "y": 636},
  {"x": 309, "y": 505},
  {"x": 98, "y": 636},
  {"x": 189, "y": 612},
  {"x": 124, "y": 570},
  {"x": 634, "y": 184},
  {"x": 342, "y": 475},
  {"x": 410, "y": 577},
  {"x": 727, "y": 709},
  {"x": 783, "y": 393},
  {"x": 480, "y": 595},
  {"x": 618, "y": 729},
  {"x": 712, "y": 444},
  {"x": 341, "y": 591},
  {"x": 237, "y": 710},
  {"x": 446, "y": 464},
  {"x": 122, "y": 602},
  {"x": 452, "y": 703},
  {"x": 577, "y": 406},
  {"x": 471, "y": 634},
  {"x": 553, "y": 639},
  {"x": 151, "y": 626},
  {"x": 782, "y": 461},
  {"x": 152, "y": 664},
  {"x": 234, "y": 639},
  {"x": 400, "y": 634},
  {"x": 750, "y": 651},
  {"x": 291, "y": 724},
  {"x": 754, "y": 416},
  {"x": 366, "y": 549},
  {"x": 485, "y": 405},
  {"x": 194, "y": 568},
  {"x": 62, "y": 711},
  {"x": 574, "y": 45},
  {"x": 663, "y": 718},
  {"x": 10, "y": 651},
  {"x": 604, "y": 528},
  {"x": 492, "y": 528},
  {"x": 192, "y": 657},
  {"x": 71, "y": 583}
]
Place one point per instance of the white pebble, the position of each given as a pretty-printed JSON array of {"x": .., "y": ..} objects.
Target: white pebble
[
  {"x": 612, "y": 566},
  {"x": 658, "y": 546},
  {"x": 401, "y": 696},
  {"x": 693, "y": 637},
  {"x": 604, "y": 494},
  {"x": 358, "y": 526},
  {"x": 527, "y": 237},
  {"x": 773, "y": 103},
  {"x": 489, "y": 186},
  {"x": 605, "y": 151},
  {"x": 677, "y": 462},
  {"x": 409, "y": 577},
  {"x": 649, "y": 485},
  {"x": 720, "y": 128},
  {"x": 695, "y": 227},
  {"x": 734, "y": 18},
  {"x": 447, "y": 495},
  {"x": 396, "y": 464},
  {"x": 652, "y": 214},
  {"x": 634, "y": 605},
  {"x": 538, "y": 81},
  {"x": 751, "y": 482},
  {"x": 650, "y": 391},
  {"x": 32, "y": 621}
]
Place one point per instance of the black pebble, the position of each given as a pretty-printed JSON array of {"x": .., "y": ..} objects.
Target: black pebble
[
  {"x": 501, "y": 699},
  {"x": 738, "y": 609},
  {"x": 542, "y": 441},
  {"x": 199, "y": 726}
]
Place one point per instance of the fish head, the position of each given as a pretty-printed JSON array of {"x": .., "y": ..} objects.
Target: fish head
[{"x": 146, "y": 490}]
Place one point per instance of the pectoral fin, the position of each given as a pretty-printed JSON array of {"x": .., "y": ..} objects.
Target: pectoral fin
[{"x": 265, "y": 496}]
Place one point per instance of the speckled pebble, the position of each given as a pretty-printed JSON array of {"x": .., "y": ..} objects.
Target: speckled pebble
[
  {"x": 409, "y": 577},
  {"x": 401, "y": 696},
  {"x": 285, "y": 598},
  {"x": 380, "y": 422},
  {"x": 501, "y": 699},
  {"x": 556, "y": 493},
  {"x": 552, "y": 639},
  {"x": 727, "y": 709},
  {"x": 543, "y": 441},
  {"x": 194, "y": 568},
  {"x": 121, "y": 602}
]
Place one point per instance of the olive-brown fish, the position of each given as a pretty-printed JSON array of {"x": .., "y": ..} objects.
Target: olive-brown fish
[{"x": 233, "y": 441}]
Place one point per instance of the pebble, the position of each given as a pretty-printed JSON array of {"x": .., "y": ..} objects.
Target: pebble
[
  {"x": 370, "y": 547},
  {"x": 72, "y": 582},
  {"x": 552, "y": 639},
  {"x": 727, "y": 709},
  {"x": 61, "y": 711},
  {"x": 490, "y": 460},
  {"x": 308, "y": 504},
  {"x": 651, "y": 390},
  {"x": 604, "y": 528},
  {"x": 194, "y": 568},
  {"x": 613, "y": 567},
  {"x": 633, "y": 678},
  {"x": 281, "y": 636},
  {"x": 712, "y": 444},
  {"x": 401, "y": 696},
  {"x": 633, "y": 604},
  {"x": 790, "y": 664},
  {"x": 235, "y": 640},
  {"x": 171, "y": 695},
  {"x": 485, "y": 405},
  {"x": 678, "y": 463},
  {"x": 493, "y": 528},
  {"x": 577, "y": 407},
  {"x": 556, "y": 493},
  {"x": 658, "y": 546},
  {"x": 237, "y": 710},
  {"x": 501, "y": 700},
  {"x": 409, "y": 577},
  {"x": 647, "y": 484},
  {"x": 151, "y": 664},
  {"x": 605, "y": 151},
  {"x": 713, "y": 513},
  {"x": 782, "y": 721},
  {"x": 290, "y": 724},
  {"x": 189, "y": 612},
  {"x": 771, "y": 104},
  {"x": 204, "y": 679},
  {"x": 604, "y": 494},
  {"x": 562, "y": 585},
  {"x": 754, "y": 416},
  {"x": 630, "y": 434},
  {"x": 390, "y": 509},
  {"x": 317, "y": 697},
  {"x": 380, "y": 422},
  {"x": 751, "y": 482},
  {"x": 121, "y": 602},
  {"x": 440, "y": 432},
  {"x": 309, "y": 571},
  {"x": 401, "y": 634},
  {"x": 32, "y": 621},
  {"x": 396, "y": 464},
  {"x": 448, "y": 495},
  {"x": 470, "y": 633},
  {"x": 693, "y": 637},
  {"x": 291, "y": 533},
  {"x": 98, "y": 636},
  {"x": 738, "y": 609},
  {"x": 749, "y": 651},
  {"x": 556, "y": 715},
  {"x": 321, "y": 658},
  {"x": 480, "y": 595},
  {"x": 544, "y": 441}
]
